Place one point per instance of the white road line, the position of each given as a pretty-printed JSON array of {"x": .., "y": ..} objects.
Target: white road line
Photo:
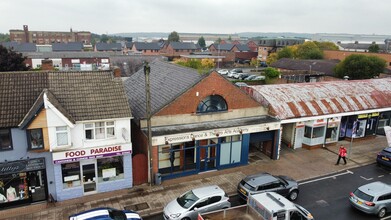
[
  {"x": 366, "y": 178},
  {"x": 380, "y": 176},
  {"x": 388, "y": 217},
  {"x": 327, "y": 177}
]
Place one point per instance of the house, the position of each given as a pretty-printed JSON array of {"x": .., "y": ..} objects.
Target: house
[
  {"x": 105, "y": 47},
  {"x": 199, "y": 122},
  {"x": 146, "y": 48},
  {"x": 173, "y": 50},
  {"x": 316, "y": 114},
  {"x": 271, "y": 45},
  {"x": 65, "y": 134},
  {"x": 234, "y": 53},
  {"x": 360, "y": 47}
]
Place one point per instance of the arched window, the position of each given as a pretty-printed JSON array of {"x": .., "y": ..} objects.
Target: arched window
[{"x": 213, "y": 103}]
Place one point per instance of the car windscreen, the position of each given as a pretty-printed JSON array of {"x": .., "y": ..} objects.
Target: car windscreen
[
  {"x": 386, "y": 152},
  {"x": 363, "y": 195},
  {"x": 187, "y": 199},
  {"x": 117, "y": 215},
  {"x": 282, "y": 180},
  {"x": 247, "y": 186}
]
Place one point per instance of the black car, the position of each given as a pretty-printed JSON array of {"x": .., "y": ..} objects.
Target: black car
[
  {"x": 265, "y": 182},
  {"x": 384, "y": 157}
]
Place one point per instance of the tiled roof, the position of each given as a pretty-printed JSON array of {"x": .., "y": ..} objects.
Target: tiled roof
[
  {"x": 147, "y": 46},
  {"x": 82, "y": 54},
  {"x": 183, "y": 46},
  {"x": 242, "y": 47},
  {"x": 167, "y": 82},
  {"x": 323, "y": 66},
  {"x": 80, "y": 96},
  {"x": 287, "y": 101},
  {"x": 20, "y": 47},
  {"x": 360, "y": 46},
  {"x": 71, "y": 46},
  {"x": 108, "y": 46},
  {"x": 224, "y": 47}
]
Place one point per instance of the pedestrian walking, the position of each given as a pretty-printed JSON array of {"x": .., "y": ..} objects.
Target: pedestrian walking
[{"x": 341, "y": 154}]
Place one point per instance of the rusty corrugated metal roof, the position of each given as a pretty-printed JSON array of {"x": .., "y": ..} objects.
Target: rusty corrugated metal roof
[{"x": 287, "y": 101}]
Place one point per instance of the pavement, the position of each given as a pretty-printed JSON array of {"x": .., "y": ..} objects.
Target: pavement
[{"x": 300, "y": 164}]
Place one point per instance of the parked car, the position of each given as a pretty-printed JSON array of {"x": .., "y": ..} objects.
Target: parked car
[
  {"x": 234, "y": 71},
  {"x": 263, "y": 64},
  {"x": 223, "y": 71},
  {"x": 266, "y": 182},
  {"x": 372, "y": 198},
  {"x": 200, "y": 200},
  {"x": 240, "y": 84},
  {"x": 242, "y": 76},
  {"x": 260, "y": 78},
  {"x": 384, "y": 157},
  {"x": 250, "y": 77},
  {"x": 106, "y": 214}
]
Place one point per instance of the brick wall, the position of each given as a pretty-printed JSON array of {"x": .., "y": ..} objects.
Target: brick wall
[{"x": 212, "y": 85}]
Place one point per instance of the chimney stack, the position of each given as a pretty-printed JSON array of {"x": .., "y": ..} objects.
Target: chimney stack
[
  {"x": 117, "y": 72},
  {"x": 47, "y": 64}
]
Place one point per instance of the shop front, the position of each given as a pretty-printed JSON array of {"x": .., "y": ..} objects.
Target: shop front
[
  {"x": 23, "y": 182},
  {"x": 91, "y": 170},
  {"x": 384, "y": 120},
  {"x": 359, "y": 126},
  {"x": 201, "y": 151}
]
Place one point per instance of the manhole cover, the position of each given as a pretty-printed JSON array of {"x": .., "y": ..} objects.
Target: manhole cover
[{"x": 322, "y": 203}]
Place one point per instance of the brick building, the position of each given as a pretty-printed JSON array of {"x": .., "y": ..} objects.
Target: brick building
[{"x": 49, "y": 37}]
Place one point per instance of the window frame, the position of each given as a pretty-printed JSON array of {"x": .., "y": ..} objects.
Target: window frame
[
  {"x": 29, "y": 140},
  {"x": 10, "y": 146},
  {"x": 66, "y": 131},
  {"x": 94, "y": 128},
  {"x": 213, "y": 104}
]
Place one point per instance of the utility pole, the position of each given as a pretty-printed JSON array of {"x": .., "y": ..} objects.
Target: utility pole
[{"x": 147, "y": 71}]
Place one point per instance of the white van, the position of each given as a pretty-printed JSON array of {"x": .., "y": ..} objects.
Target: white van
[{"x": 271, "y": 205}]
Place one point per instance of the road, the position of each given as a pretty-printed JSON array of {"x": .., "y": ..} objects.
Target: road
[{"x": 326, "y": 197}]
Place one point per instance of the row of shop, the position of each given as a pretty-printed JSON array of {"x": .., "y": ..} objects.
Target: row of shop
[{"x": 81, "y": 172}]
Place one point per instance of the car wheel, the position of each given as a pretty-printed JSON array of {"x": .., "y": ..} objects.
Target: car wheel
[
  {"x": 382, "y": 213},
  {"x": 293, "y": 195}
]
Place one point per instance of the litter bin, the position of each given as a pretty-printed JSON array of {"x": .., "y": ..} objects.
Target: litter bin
[{"x": 158, "y": 178}]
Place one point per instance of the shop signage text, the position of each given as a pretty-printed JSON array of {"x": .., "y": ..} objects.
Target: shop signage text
[{"x": 22, "y": 166}]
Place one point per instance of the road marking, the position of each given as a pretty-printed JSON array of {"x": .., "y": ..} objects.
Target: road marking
[
  {"x": 380, "y": 176},
  {"x": 366, "y": 178},
  {"x": 327, "y": 177},
  {"x": 388, "y": 217}
]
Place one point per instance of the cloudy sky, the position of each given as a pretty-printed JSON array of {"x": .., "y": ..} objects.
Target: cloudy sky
[{"x": 198, "y": 16}]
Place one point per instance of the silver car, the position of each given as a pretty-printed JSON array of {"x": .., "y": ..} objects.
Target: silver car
[
  {"x": 200, "y": 200},
  {"x": 372, "y": 198}
]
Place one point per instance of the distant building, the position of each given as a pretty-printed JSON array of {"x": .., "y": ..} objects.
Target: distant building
[
  {"x": 271, "y": 45},
  {"x": 49, "y": 37}
]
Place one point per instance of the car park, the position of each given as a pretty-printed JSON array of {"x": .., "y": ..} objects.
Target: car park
[
  {"x": 240, "y": 84},
  {"x": 233, "y": 72},
  {"x": 223, "y": 71},
  {"x": 242, "y": 76},
  {"x": 250, "y": 77},
  {"x": 384, "y": 157},
  {"x": 106, "y": 214},
  {"x": 200, "y": 200},
  {"x": 260, "y": 78},
  {"x": 266, "y": 182},
  {"x": 372, "y": 198}
]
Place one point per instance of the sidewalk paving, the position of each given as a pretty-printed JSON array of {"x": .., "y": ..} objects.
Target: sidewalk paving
[{"x": 301, "y": 164}]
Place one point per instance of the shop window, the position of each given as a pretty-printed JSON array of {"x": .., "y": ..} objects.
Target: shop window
[
  {"x": 13, "y": 187},
  {"x": 231, "y": 149},
  {"x": 35, "y": 139},
  {"x": 5, "y": 139},
  {"x": 213, "y": 103},
  {"x": 99, "y": 130},
  {"x": 110, "y": 169},
  {"x": 71, "y": 175},
  {"x": 62, "y": 136}
]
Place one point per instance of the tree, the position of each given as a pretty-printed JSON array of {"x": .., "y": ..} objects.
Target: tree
[
  {"x": 271, "y": 74},
  {"x": 201, "y": 42},
  {"x": 327, "y": 45},
  {"x": 11, "y": 61},
  {"x": 255, "y": 62},
  {"x": 4, "y": 37},
  {"x": 104, "y": 38},
  {"x": 229, "y": 38},
  {"x": 309, "y": 50},
  {"x": 218, "y": 41},
  {"x": 271, "y": 58},
  {"x": 358, "y": 66},
  {"x": 374, "y": 48},
  {"x": 285, "y": 52},
  {"x": 173, "y": 37}
]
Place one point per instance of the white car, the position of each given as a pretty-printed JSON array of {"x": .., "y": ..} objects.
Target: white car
[
  {"x": 223, "y": 71},
  {"x": 200, "y": 200},
  {"x": 106, "y": 214}
]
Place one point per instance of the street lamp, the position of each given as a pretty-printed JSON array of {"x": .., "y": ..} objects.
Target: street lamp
[{"x": 147, "y": 71}]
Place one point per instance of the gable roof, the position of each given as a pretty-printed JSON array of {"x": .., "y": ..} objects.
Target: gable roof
[
  {"x": 80, "y": 96},
  {"x": 224, "y": 47},
  {"x": 242, "y": 47},
  {"x": 287, "y": 101},
  {"x": 167, "y": 82},
  {"x": 323, "y": 66},
  {"x": 71, "y": 46},
  {"x": 147, "y": 46},
  {"x": 108, "y": 46},
  {"x": 184, "y": 46}
]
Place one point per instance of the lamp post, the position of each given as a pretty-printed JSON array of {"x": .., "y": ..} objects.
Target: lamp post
[{"x": 147, "y": 71}]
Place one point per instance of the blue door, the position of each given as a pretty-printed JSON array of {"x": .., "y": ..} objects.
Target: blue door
[{"x": 207, "y": 157}]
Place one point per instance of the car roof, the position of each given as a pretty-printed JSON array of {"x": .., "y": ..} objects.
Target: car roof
[
  {"x": 103, "y": 213},
  {"x": 375, "y": 188},
  {"x": 273, "y": 201},
  {"x": 388, "y": 149},
  {"x": 259, "y": 179},
  {"x": 208, "y": 191}
]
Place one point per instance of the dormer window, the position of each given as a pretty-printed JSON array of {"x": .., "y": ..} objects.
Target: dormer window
[
  {"x": 213, "y": 103},
  {"x": 99, "y": 130},
  {"x": 35, "y": 139}
]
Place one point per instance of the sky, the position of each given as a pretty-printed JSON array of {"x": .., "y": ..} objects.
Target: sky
[{"x": 198, "y": 16}]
